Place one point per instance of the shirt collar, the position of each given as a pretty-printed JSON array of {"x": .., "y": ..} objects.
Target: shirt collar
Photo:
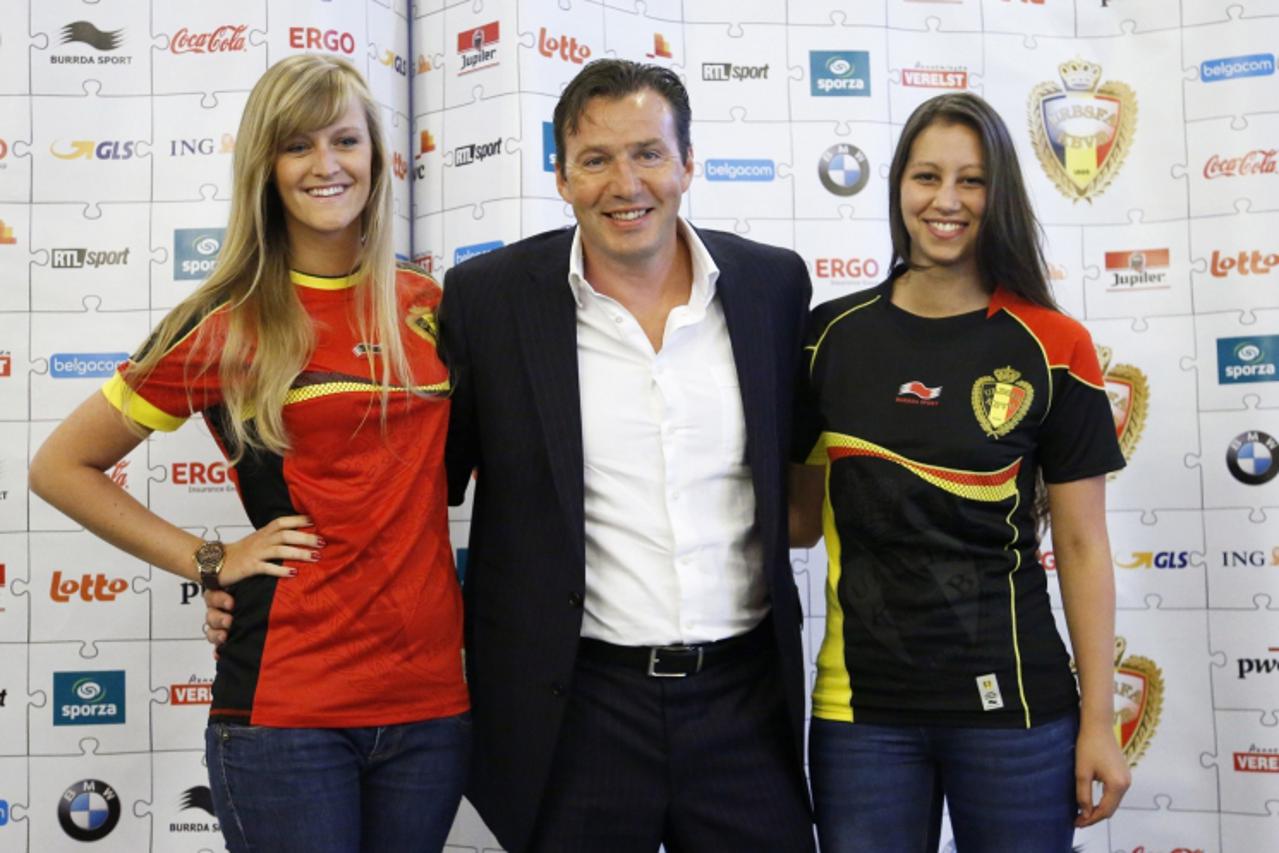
[{"x": 705, "y": 272}]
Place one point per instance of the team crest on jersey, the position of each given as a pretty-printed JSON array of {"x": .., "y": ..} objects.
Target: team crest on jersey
[
  {"x": 1001, "y": 401},
  {"x": 421, "y": 319},
  {"x": 1082, "y": 132},
  {"x": 1129, "y": 396}
]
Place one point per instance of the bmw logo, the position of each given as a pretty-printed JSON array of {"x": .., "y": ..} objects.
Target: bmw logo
[
  {"x": 89, "y": 810},
  {"x": 843, "y": 169},
  {"x": 1253, "y": 457}
]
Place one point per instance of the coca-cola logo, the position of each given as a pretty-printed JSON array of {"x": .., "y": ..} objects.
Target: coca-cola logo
[
  {"x": 224, "y": 39},
  {"x": 1259, "y": 161}
]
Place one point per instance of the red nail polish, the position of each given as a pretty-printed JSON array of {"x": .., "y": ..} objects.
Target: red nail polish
[
  {"x": 293, "y": 573},
  {"x": 319, "y": 542}
]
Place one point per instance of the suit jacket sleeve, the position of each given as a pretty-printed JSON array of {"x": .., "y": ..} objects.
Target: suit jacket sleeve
[{"x": 461, "y": 454}]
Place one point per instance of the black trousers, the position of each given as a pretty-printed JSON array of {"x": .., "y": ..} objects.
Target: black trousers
[{"x": 702, "y": 764}]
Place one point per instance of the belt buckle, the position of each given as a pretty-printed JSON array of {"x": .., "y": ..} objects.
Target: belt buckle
[{"x": 655, "y": 652}]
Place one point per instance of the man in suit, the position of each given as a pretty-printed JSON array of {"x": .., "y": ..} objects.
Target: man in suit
[{"x": 622, "y": 390}]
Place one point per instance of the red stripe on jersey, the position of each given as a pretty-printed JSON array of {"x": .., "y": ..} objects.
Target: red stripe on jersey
[
  {"x": 961, "y": 478},
  {"x": 1066, "y": 343}
]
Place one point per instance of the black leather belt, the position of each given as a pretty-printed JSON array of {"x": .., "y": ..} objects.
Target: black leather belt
[{"x": 679, "y": 661}]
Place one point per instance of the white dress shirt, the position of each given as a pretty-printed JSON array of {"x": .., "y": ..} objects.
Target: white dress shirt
[{"x": 672, "y": 554}]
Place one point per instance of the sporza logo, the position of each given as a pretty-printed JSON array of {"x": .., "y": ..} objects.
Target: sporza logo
[
  {"x": 1249, "y": 359},
  {"x": 195, "y": 252},
  {"x": 1230, "y": 67},
  {"x": 85, "y": 365},
  {"x": 839, "y": 73},
  {"x": 740, "y": 170},
  {"x": 88, "y": 698},
  {"x": 548, "y": 147}
]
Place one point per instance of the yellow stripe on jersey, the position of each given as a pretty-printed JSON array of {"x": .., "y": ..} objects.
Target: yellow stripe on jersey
[
  {"x": 138, "y": 409},
  {"x": 833, "y": 692},
  {"x": 326, "y": 389},
  {"x": 985, "y": 486}
]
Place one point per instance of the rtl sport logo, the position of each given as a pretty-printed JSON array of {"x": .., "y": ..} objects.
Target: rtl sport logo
[{"x": 88, "y": 698}]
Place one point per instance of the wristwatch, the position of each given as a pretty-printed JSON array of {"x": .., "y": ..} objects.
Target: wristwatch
[{"x": 208, "y": 562}]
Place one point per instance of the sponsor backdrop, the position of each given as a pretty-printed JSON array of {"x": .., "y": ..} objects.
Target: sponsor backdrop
[{"x": 1150, "y": 146}]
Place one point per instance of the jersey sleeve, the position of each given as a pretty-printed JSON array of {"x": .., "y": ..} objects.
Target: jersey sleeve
[
  {"x": 183, "y": 382},
  {"x": 1078, "y": 439}
]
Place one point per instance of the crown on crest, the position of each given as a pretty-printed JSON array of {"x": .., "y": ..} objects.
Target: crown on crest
[
  {"x": 1006, "y": 375},
  {"x": 1080, "y": 75}
]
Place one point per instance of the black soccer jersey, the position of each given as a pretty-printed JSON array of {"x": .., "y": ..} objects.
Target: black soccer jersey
[{"x": 931, "y": 431}]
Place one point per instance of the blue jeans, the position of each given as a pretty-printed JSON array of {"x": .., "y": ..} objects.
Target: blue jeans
[
  {"x": 321, "y": 790},
  {"x": 880, "y": 788}
]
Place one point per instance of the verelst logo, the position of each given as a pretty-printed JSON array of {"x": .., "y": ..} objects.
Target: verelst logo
[
  {"x": 718, "y": 72},
  {"x": 465, "y": 155},
  {"x": 88, "y": 810},
  {"x": 195, "y": 252},
  {"x": 1230, "y": 67},
  {"x": 477, "y": 47},
  {"x": 88, "y": 698},
  {"x": 1248, "y": 359},
  {"x": 935, "y": 77},
  {"x": 465, "y": 253},
  {"x": 74, "y": 259},
  {"x": 197, "y": 691},
  {"x": 839, "y": 73},
  {"x": 85, "y": 365},
  {"x": 740, "y": 170},
  {"x": 1257, "y": 760}
]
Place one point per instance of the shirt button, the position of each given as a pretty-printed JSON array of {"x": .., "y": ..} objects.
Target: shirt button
[
  {"x": 574, "y": 599},
  {"x": 617, "y": 319},
  {"x": 557, "y": 689}
]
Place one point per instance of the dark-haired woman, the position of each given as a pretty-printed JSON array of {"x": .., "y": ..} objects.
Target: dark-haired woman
[{"x": 928, "y": 409}]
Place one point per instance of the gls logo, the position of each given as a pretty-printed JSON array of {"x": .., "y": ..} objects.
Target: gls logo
[
  {"x": 839, "y": 73},
  {"x": 1249, "y": 359},
  {"x": 87, "y": 149},
  {"x": 88, "y": 698},
  {"x": 1154, "y": 560}
]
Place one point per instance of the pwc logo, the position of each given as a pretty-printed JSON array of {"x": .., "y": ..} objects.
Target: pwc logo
[
  {"x": 565, "y": 47},
  {"x": 88, "y": 587},
  {"x": 329, "y": 41},
  {"x": 87, "y": 149}
]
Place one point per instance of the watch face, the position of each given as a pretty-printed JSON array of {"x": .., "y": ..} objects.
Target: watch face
[{"x": 209, "y": 556}]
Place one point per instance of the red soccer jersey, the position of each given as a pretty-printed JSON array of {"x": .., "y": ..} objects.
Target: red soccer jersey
[{"x": 371, "y": 633}]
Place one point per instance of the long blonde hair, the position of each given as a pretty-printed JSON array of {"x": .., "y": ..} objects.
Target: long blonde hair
[{"x": 269, "y": 337}]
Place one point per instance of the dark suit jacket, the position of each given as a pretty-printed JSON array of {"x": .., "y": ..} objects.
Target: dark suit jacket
[{"x": 508, "y": 331}]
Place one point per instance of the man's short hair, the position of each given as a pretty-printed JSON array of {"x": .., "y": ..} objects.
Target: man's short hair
[{"x": 616, "y": 78}]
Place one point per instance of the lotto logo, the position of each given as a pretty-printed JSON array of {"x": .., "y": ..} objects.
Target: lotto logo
[{"x": 87, "y": 587}]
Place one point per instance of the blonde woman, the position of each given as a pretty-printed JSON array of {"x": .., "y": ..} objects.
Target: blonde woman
[{"x": 339, "y": 718}]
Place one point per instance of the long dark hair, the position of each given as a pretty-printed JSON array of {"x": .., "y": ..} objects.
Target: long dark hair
[{"x": 1008, "y": 243}]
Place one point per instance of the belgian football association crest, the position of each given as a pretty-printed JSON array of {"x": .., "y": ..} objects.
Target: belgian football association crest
[
  {"x": 1129, "y": 396},
  {"x": 1139, "y": 696},
  {"x": 1082, "y": 132},
  {"x": 1001, "y": 401}
]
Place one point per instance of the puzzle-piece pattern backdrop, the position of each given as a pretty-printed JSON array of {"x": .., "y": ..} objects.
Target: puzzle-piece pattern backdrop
[{"x": 1148, "y": 138}]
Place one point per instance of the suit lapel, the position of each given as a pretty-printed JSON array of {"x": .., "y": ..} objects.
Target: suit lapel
[
  {"x": 749, "y": 331},
  {"x": 548, "y": 337}
]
